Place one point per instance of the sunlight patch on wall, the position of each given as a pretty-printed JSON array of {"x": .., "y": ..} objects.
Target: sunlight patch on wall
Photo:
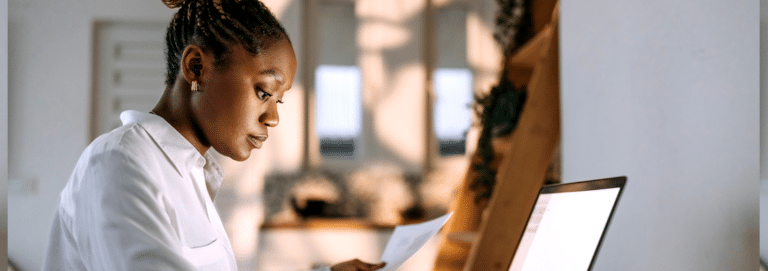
[
  {"x": 381, "y": 36},
  {"x": 483, "y": 53},
  {"x": 399, "y": 125},
  {"x": 479, "y": 43},
  {"x": 374, "y": 74},
  {"x": 396, "y": 11}
]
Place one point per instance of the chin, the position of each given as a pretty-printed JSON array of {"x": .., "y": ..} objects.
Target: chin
[
  {"x": 237, "y": 155},
  {"x": 240, "y": 157}
]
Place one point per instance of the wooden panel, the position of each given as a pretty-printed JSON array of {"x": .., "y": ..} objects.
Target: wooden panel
[
  {"x": 453, "y": 252},
  {"x": 542, "y": 13},
  {"x": 523, "y": 169}
]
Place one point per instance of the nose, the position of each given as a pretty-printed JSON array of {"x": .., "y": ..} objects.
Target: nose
[{"x": 270, "y": 117}]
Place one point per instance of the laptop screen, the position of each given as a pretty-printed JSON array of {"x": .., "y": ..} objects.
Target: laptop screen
[{"x": 566, "y": 225}]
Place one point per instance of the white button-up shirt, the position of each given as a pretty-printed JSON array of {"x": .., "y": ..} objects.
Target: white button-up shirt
[{"x": 140, "y": 198}]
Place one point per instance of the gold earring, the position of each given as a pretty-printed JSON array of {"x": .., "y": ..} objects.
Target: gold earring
[{"x": 194, "y": 86}]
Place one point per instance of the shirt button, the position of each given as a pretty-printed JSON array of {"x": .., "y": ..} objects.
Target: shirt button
[{"x": 201, "y": 162}]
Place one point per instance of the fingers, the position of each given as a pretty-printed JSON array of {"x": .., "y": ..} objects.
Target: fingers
[{"x": 357, "y": 265}]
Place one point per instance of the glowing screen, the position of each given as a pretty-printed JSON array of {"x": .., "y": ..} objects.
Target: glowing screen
[{"x": 564, "y": 230}]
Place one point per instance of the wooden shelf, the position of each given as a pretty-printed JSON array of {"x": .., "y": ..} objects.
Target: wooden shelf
[
  {"x": 463, "y": 237},
  {"x": 333, "y": 223},
  {"x": 327, "y": 223}
]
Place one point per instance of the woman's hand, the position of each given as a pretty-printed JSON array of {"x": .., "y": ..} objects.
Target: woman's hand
[{"x": 356, "y": 265}]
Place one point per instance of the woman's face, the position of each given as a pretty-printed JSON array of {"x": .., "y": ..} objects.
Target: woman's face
[{"x": 237, "y": 103}]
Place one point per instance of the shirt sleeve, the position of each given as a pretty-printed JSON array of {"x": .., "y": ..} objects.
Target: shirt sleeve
[{"x": 124, "y": 221}]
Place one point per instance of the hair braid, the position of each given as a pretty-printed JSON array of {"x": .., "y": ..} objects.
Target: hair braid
[{"x": 216, "y": 26}]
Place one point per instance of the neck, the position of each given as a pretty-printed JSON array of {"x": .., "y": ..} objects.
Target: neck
[{"x": 175, "y": 107}]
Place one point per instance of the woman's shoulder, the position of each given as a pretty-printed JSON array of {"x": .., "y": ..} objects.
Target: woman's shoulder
[
  {"x": 127, "y": 149},
  {"x": 124, "y": 158},
  {"x": 129, "y": 139}
]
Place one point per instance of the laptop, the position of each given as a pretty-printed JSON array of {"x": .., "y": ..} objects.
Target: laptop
[{"x": 566, "y": 225}]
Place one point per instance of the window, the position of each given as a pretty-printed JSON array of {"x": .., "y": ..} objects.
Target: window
[
  {"x": 338, "y": 106},
  {"x": 368, "y": 63},
  {"x": 452, "y": 112},
  {"x": 337, "y": 99},
  {"x": 452, "y": 81}
]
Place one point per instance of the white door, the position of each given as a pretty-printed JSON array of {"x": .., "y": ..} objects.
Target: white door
[{"x": 129, "y": 70}]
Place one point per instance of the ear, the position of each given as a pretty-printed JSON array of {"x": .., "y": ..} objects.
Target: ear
[{"x": 195, "y": 63}]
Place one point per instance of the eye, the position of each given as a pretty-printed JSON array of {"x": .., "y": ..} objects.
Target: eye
[{"x": 263, "y": 95}]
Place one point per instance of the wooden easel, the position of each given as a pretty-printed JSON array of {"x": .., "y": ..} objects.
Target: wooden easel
[{"x": 475, "y": 242}]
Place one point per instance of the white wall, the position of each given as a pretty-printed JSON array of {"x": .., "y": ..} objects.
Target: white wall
[
  {"x": 763, "y": 130},
  {"x": 3, "y": 133},
  {"x": 49, "y": 106},
  {"x": 667, "y": 93}
]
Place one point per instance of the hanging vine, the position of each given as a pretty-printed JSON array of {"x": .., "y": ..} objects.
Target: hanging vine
[{"x": 499, "y": 110}]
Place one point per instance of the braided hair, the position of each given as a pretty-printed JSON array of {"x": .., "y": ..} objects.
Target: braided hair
[{"x": 215, "y": 26}]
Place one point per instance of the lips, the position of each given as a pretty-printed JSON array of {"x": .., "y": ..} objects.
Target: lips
[{"x": 257, "y": 141}]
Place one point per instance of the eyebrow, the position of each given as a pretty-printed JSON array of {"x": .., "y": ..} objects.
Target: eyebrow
[{"x": 274, "y": 74}]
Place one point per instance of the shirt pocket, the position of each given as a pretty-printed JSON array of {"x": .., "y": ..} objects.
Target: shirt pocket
[
  {"x": 196, "y": 230},
  {"x": 213, "y": 257},
  {"x": 200, "y": 244}
]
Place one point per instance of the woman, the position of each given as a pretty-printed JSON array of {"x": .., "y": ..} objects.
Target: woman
[{"x": 140, "y": 197}]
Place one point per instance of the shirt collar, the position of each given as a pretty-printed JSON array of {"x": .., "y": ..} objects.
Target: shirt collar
[{"x": 176, "y": 147}]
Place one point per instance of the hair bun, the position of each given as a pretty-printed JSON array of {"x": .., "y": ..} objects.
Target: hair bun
[{"x": 173, "y": 3}]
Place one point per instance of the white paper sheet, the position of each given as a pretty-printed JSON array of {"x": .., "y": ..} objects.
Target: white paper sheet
[{"x": 407, "y": 240}]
